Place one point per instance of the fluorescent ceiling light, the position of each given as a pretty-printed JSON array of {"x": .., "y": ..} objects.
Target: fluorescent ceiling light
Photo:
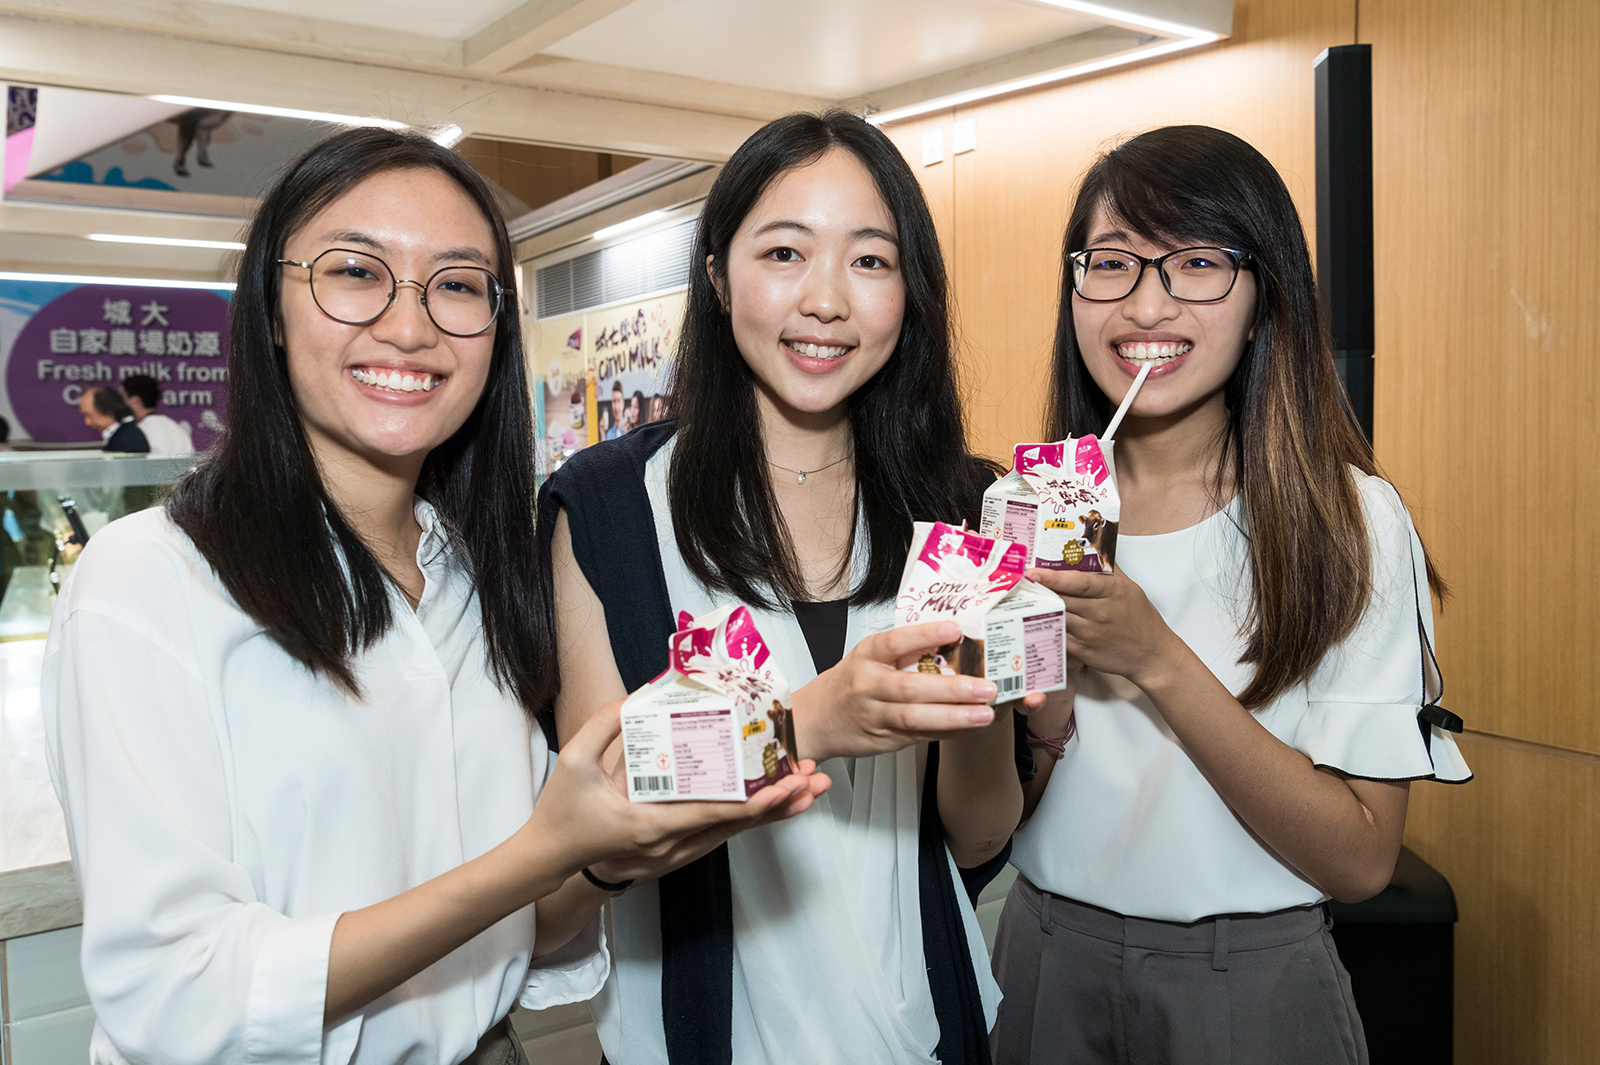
[
  {"x": 175, "y": 242},
  {"x": 447, "y": 135},
  {"x": 944, "y": 103},
  {"x": 632, "y": 223},
  {"x": 282, "y": 112},
  {"x": 1128, "y": 18},
  {"x": 142, "y": 282}
]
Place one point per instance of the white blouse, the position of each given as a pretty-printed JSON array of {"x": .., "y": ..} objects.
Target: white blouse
[
  {"x": 225, "y": 806},
  {"x": 1129, "y": 824},
  {"x": 828, "y": 963}
]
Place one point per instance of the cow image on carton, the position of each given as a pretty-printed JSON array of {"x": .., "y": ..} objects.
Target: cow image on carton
[
  {"x": 1060, "y": 502},
  {"x": 1013, "y": 631},
  {"x": 717, "y": 724}
]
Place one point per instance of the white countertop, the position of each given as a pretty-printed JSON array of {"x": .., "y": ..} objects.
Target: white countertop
[{"x": 37, "y": 892}]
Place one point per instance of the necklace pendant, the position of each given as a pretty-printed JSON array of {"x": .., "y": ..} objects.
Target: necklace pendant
[{"x": 800, "y": 479}]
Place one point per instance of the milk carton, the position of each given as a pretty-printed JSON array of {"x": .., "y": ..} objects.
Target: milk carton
[
  {"x": 1060, "y": 502},
  {"x": 1013, "y": 631},
  {"x": 717, "y": 724}
]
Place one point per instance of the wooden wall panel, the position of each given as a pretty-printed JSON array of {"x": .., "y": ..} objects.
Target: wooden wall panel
[
  {"x": 938, "y": 181},
  {"x": 1521, "y": 846},
  {"x": 1488, "y": 364},
  {"x": 1488, "y": 375},
  {"x": 1012, "y": 195}
]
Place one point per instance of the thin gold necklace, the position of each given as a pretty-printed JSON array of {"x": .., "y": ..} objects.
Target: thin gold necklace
[{"x": 801, "y": 475}]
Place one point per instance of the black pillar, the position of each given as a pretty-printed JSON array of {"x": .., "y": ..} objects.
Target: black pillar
[{"x": 1344, "y": 217}]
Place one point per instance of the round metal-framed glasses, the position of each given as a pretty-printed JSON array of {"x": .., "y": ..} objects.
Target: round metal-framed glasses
[
  {"x": 1191, "y": 275},
  {"x": 357, "y": 287}
]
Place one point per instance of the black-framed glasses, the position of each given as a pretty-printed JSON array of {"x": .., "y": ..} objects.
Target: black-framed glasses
[
  {"x": 1192, "y": 275},
  {"x": 357, "y": 287}
]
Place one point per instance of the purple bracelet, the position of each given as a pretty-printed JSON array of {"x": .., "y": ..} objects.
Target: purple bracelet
[{"x": 1055, "y": 745}]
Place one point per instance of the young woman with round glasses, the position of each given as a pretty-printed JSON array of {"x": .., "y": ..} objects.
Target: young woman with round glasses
[
  {"x": 289, "y": 713},
  {"x": 1247, "y": 723},
  {"x": 816, "y": 418}
]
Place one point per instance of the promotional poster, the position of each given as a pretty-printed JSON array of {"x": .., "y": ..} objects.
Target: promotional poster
[
  {"x": 604, "y": 372},
  {"x": 59, "y": 338}
]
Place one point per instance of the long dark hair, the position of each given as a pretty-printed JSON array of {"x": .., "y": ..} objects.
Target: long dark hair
[
  {"x": 910, "y": 446},
  {"x": 258, "y": 510},
  {"x": 1289, "y": 445}
]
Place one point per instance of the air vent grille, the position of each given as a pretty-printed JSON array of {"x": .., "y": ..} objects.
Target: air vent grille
[{"x": 656, "y": 262}]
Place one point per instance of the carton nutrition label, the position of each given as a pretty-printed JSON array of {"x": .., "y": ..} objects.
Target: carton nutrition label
[
  {"x": 1042, "y": 638},
  {"x": 1017, "y": 525},
  {"x": 703, "y": 751}
]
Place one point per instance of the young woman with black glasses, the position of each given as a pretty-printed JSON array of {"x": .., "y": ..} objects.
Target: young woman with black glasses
[{"x": 1247, "y": 724}]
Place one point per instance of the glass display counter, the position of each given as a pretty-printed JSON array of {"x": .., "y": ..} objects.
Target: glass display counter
[
  {"x": 41, "y": 495},
  {"x": 46, "y": 1018}
]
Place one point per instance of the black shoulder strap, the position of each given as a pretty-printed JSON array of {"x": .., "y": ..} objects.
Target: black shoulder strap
[
  {"x": 1431, "y": 713},
  {"x": 613, "y": 539},
  {"x": 952, "y": 982}
]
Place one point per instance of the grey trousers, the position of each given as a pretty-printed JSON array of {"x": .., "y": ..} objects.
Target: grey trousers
[
  {"x": 499, "y": 1046},
  {"x": 1084, "y": 986}
]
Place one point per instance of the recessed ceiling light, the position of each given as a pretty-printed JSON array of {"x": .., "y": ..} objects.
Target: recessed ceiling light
[
  {"x": 282, "y": 112},
  {"x": 142, "y": 282},
  {"x": 944, "y": 103},
  {"x": 632, "y": 223},
  {"x": 174, "y": 242}
]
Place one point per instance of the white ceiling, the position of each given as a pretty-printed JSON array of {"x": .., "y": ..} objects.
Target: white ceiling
[
  {"x": 427, "y": 18},
  {"x": 826, "y": 48},
  {"x": 678, "y": 79}
]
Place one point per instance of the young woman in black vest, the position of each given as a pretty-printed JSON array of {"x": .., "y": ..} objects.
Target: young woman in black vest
[{"x": 817, "y": 417}]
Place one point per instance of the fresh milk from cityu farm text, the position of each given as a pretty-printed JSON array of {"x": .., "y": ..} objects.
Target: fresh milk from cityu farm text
[
  {"x": 717, "y": 724},
  {"x": 1060, "y": 502},
  {"x": 1013, "y": 631}
]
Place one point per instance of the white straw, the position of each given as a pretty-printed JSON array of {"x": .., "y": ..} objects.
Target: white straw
[{"x": 1127, "y": 401}]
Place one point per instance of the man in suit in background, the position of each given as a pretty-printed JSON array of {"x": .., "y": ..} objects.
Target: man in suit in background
[{"x": 107, "y": 412}]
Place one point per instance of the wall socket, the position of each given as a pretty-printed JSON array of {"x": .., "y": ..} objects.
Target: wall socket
[
  {"x": 964, "y": 137},
  {"x": 933, "y": 147}
]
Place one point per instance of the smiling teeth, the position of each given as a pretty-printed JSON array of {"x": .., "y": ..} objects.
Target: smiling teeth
[
  {"x": 816, "y": 351},
  {"x": 1156, "y": 353},
  {"x": 396, "y": 380}
]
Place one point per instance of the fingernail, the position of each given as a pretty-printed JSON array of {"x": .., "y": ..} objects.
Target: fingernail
[
  {"x": 949, "y": 631},
  {"x": 980, "y": 716},
  {"x": 983, "y": 689}
]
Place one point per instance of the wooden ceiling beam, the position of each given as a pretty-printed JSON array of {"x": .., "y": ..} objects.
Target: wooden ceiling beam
[
  {"x": 529, "y": 30},
  {"x": 88, "y": 56}
]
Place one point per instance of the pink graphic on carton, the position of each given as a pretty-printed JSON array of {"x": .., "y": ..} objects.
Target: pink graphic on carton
[
  {"x": 726, "y": 652},
  {"x": 1073, "y": 524},
  {"x": 1043, "y": 466},
  {"x": 1028, "y": 458},
  {"x": 736, "y": 659},
  {"x": 1091, "y": 460},
  {"x": 957, "y": 574}
]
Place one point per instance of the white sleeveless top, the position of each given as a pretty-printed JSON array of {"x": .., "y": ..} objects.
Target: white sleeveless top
[
  {"x": 827, "y": 943},
  {"x": 1129, "y": 824}
]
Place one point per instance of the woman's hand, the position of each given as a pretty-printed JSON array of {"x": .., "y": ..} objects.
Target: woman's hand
[
  {"x": 585, "y": 805},
  {"x": 867, "y": 705},
  {"x": 1111, "y": 625}
]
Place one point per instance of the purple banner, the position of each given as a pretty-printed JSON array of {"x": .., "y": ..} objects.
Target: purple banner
[{"x": 99, "y": 334}]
